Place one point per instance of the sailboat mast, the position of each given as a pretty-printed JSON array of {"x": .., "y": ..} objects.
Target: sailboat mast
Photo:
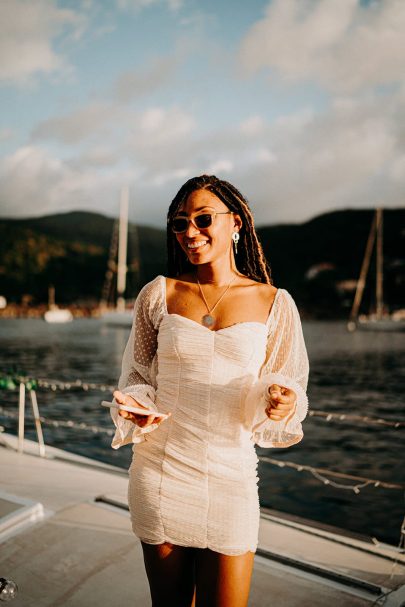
[
  {"x": 363, "y": 273},
  {"x": 379, "y": 262},
  {"x": 122, "y": 249},
  {"x": 51, "y": 297}
]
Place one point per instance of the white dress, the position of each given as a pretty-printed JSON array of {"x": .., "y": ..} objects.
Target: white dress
[{"x": 193, "y": 482}]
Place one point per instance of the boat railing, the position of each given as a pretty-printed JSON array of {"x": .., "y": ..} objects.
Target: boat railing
[{"x": 29, "y": 385}]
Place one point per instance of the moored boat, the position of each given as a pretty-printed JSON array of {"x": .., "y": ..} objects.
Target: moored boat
[
  {"x": 119, "y": 316},
  {"x": 380, "y": 319},
  {"x": 58, "y": 315},
  {"x": 55, "y": 314}
]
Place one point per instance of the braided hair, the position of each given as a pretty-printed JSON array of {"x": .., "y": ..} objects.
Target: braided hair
[{"x": 250, "y": 259}]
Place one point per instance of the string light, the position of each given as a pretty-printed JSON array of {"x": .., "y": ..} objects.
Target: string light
[
  {"x": 61, "y": 423},
  {"x": 12, "y": 381},
  {"x": 323, "y": 474},
  {"x": 356, "y": 418}
]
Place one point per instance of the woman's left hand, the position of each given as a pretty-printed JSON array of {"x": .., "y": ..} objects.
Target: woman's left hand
[{"x": 281, "y": 401}]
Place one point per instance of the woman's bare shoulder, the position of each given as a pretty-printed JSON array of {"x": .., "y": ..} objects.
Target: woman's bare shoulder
[
  {"x": 264, "y": 290},
  {"x": 187, "y": 277},
  {"x": 174, "y": 284},
  {"x": 267, "y": 290},
  {"x": 267, "y": 293}
]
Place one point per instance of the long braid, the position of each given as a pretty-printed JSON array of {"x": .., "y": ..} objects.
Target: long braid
[
  {"x": 256, "y": 263},
  {"x": 250, "y": 259}
]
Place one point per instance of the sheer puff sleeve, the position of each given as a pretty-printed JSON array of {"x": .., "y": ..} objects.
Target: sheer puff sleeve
[
  {"x": 286, "y": 364},
  {"x": 139, "y": 362}
]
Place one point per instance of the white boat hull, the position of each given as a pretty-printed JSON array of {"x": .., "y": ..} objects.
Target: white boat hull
[
  {"x": 385, "y": 324},
  {"x": 58, "y": 316}
]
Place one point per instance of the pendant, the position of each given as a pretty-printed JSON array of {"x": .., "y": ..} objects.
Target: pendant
[{"x": 208, "y": 320}]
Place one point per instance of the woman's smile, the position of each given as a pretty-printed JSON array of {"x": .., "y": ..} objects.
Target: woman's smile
[{"x": 196, "y": 245}]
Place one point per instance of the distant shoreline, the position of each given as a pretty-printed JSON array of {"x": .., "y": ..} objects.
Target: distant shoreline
[
  {"x": 14, "y": 311},
  {"x": 18, "y": 311}
]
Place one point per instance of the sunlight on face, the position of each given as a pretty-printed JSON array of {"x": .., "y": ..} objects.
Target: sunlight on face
[{"x": 205, "y": 245}]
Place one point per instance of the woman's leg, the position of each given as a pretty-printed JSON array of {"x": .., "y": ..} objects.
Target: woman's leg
[
  {"x": 170, "y": 571},
  {"x": 222, "y": 580}
]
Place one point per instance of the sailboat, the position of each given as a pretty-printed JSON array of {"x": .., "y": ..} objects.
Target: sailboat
[
  {"x": 55, "y": 314},
  {"x": 120, "y": 316},
  {"x": 380, "y": 320}
]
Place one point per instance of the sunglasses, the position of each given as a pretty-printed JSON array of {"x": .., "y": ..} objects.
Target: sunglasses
[{"x": 201, "y": 220}]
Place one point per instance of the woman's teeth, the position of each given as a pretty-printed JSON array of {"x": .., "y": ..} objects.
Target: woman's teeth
[{"x": 196, "y": 245}]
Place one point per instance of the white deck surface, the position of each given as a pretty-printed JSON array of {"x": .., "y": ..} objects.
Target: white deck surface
[{"x": 80, "y": 553}]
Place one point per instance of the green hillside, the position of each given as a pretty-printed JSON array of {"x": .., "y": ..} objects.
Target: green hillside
[
  {"x": 333, "y": 246},
  {"x": 313, "y": 260},
  {"x": 71, "y": 252}
]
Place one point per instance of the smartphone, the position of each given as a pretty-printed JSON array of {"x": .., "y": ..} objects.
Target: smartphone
[{"x": 138, "y": 410}]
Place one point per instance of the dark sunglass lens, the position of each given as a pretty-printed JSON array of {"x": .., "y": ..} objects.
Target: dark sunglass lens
[
  {"x": 179, "y": 224},
  {"x": 203, "y": 221}
]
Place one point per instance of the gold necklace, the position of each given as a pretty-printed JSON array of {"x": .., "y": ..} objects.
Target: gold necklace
[{"x": 208, "y": 320}]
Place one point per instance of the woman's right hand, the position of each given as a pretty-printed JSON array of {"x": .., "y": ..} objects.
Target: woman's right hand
[{"x": 143, "y": 421}]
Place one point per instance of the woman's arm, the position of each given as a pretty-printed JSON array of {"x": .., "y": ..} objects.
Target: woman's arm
[
  {"x": 138, "y": 373},
  {"x": 286, "y": 366}
]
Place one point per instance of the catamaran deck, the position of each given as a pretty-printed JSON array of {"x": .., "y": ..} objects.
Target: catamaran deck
[{"x": 67, "y": 541}]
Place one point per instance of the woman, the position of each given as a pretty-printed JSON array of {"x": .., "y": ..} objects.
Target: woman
[{"x": 220, "y": 349}]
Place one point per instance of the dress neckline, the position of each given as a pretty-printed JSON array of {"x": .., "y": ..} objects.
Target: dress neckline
[{"x": 235, "y": 324}]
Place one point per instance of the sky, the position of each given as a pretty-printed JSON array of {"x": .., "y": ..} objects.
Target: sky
[{"x": 299, "y": 103}]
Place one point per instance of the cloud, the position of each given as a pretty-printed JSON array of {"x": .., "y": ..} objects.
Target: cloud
[
  {"x": 347, "y": 156},
  {"x": 78, "y": 125},
  {"x": 135, "y": 84},
  {"x": 50, "y": 185},
  {"x": 397, "y": 170},
  {"x": 158, "y": 125},
  {"x": 137, "y": 5},
  {"x": 99, "y": 119},
  {"x": 6, "y": 134},
  {"x": 343, "y": 45},
  {"x": 264, "y": 156},
  {"x": 252, "y": 125},
  {"x": 27, "y": 32},
  {"x": 220, "y": 166},
  {"x": 164, "y": 178},
  {"x": 296, "y": 122},
  {"x": 352, "y": 154},
  {"x": 97, "y": 155},
  {"x": 91, "y": 178},
  {"x": 28, "y": 193}
]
